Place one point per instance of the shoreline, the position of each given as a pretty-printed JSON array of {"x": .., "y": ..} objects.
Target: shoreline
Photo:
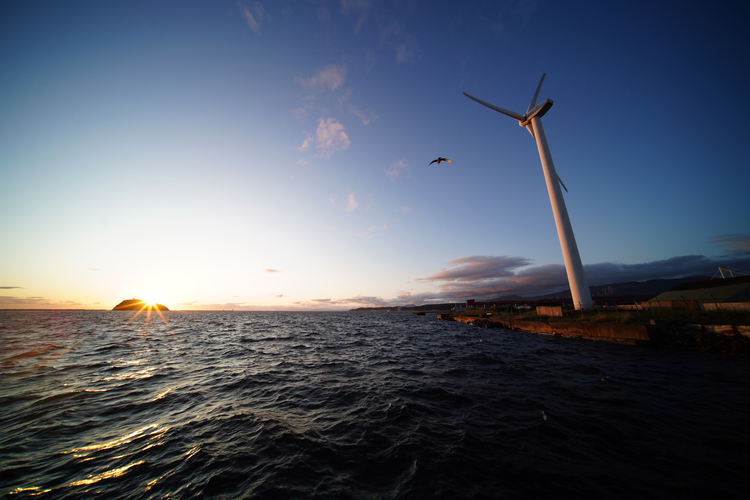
[{"x": 730, "y": 339}]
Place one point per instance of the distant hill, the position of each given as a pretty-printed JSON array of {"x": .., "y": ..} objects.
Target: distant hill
[{"x": 137, "y": 305}]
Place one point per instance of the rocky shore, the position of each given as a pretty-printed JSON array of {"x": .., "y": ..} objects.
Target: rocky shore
[{"x": 731, "y": 339}]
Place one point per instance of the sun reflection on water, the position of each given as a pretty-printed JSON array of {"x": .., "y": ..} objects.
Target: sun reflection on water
[
  {"x": 148, "y": 307},
  {"x": 109, "y": 474},
  {"x": 31, "y": 491},
  {"x": 117, "y": 442}
]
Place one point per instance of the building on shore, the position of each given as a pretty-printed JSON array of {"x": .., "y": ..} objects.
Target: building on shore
[{"x": 711, "y": 294}]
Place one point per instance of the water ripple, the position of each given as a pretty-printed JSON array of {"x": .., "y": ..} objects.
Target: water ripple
[{"x": 356, "y": 405}]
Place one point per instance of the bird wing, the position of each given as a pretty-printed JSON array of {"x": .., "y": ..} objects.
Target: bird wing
[
  {"x": 433, "y": 161},
  {"x": 446, "y": 159}
]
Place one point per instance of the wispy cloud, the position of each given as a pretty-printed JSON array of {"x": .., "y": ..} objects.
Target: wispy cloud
[
  {"x": 407, "y": 49},
  {"x": 330, "y": 138},
  {"x": 357, "y": 7},
  {"x": 9, "y": 287},
  {"x": 323, "y": 13},
  {"x": 397, "y": 169},
  {"x": 329, "y": 78},
  {"x": 255, "y": 15},
  {"x": 238, "y": 306},
  {"x": 345, "y": 96},
  {"x": 738, "y": 244},
  {"x": 512, "y": 12},
  {"x": 404, "y": 44},
  {"x": 372, "y": 230},
  {"x": 351, "y": 203},
  {"x": 272, "y": 271},
  {"x": 300, "y": 114},
  {"x": 366, "y": 117}
]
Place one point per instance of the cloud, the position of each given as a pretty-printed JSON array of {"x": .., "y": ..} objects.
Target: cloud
[
  {"x": 512, "y": 12},
  {"x": 323, "y": 13},
  {"x": 300, "y": 114},
  {"x": 366, "y": 118},
  {"x": 351, "y": 203},
  {"x": 397, "y": 168},
  {"x": 272, "y": 271},
  {"x": 405, "y": 210},
  {"x": 739, "y": 244},
  {"x": 674, "y": 267},
  {"x": 254, "y": 17},
  {"x": 366, "y": 301},
  {"x": 407, "y": 49},
  {"x": 237, "y": 306},
  {"x": 404, "y": 44},
  {"x": 490, "y": 277},
  {"x": 306, "y": 143},
  {"x": 9, "y": 287},
  {"x": 345, "y": 97},
  {"x": 371, "y": 231},
  {"x": 362, "y": 7},
  {"x": 9, "y": 302},
  {"x": 478, "y": 267},
  {"x": 329, "y": 78},
  {"x": 330, "y": 138}
]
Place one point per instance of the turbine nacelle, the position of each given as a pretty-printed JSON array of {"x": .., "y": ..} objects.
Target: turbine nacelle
[
  {"x": 537, "y": 111},
  {"x": 532, "y": 111}
]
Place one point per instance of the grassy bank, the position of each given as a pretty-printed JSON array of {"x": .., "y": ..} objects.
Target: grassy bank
[{"x": 623, "y": 317}]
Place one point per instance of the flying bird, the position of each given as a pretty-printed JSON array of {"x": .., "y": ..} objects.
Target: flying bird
[{"x": 440, "y": 158}]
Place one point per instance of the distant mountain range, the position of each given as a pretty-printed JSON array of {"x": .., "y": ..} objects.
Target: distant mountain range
[{"x": 631, "y": 290}]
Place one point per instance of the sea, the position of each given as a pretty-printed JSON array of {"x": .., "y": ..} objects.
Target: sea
[{"x": 360, "y": 405}]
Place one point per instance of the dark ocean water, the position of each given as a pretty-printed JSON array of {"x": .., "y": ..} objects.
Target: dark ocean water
[{"x": 357, "y": 405}]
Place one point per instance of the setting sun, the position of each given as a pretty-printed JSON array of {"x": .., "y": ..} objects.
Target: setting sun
[{"x": 151, "y": 298}]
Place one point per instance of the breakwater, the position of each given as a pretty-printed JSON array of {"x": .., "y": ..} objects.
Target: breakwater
[{"x": 734, "y": 339}]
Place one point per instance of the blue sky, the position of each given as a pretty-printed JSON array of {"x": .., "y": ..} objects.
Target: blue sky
[{"x": 275, "y": 155}]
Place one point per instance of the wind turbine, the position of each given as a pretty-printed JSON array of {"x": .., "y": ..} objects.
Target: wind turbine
[{"x": 579, "y": 287}]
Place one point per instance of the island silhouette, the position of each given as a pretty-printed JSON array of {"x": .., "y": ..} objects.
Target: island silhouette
[{"x": 138, "y": 305}]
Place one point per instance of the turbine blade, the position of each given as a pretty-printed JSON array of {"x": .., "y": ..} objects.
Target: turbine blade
[
  {"x": 531, "y": 130},
  {"x": 561, "y": 183},
  {"x": 536, "y": 94},
  {"x": 506, "y": 112}
]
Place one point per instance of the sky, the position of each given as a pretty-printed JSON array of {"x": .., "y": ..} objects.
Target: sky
[{"x": 275, "y": 155}]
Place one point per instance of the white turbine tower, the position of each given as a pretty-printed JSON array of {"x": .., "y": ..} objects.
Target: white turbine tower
[{"x": 579, "y": 288}]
